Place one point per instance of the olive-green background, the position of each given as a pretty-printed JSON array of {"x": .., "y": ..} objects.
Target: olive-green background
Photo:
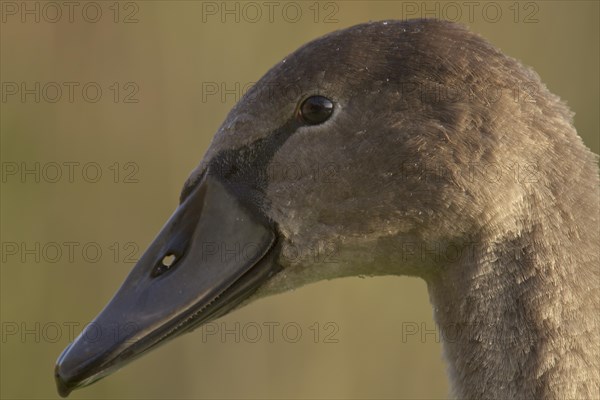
[{"x": 170, "y": 53}]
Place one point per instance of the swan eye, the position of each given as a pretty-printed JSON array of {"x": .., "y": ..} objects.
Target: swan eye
[{"x": 316, "y": 110}]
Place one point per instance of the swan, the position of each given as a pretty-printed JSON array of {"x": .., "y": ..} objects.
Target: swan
[{"x": 419, "y": 159}]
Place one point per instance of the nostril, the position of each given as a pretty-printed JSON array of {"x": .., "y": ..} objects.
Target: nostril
[
  {"x": 165, "y": 264},
  {"x": 168, "y": 260}
]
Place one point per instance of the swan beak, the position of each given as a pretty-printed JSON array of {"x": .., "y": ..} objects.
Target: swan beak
[{"x": 213, "y": 253}]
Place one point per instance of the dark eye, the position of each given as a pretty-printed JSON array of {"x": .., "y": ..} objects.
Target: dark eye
[{"x": 316, "y": 109}]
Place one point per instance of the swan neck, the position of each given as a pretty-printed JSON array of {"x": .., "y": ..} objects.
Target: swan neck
[{"x": 517, "y": 319}]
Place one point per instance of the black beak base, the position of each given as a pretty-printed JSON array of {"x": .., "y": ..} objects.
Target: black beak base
[{"x": 212, "y": 254}]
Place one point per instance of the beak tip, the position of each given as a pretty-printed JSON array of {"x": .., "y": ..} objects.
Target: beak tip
[{"x": 62, "y": 386}]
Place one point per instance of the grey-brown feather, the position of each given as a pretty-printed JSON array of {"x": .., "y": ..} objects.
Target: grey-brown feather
[{"x": 491, "y": 167}]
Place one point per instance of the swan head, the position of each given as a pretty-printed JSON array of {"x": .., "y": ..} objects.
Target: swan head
[{"x": 352, "y": 156}]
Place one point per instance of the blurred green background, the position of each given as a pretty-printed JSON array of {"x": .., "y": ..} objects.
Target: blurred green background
[{"x": 148, "y": 129}]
